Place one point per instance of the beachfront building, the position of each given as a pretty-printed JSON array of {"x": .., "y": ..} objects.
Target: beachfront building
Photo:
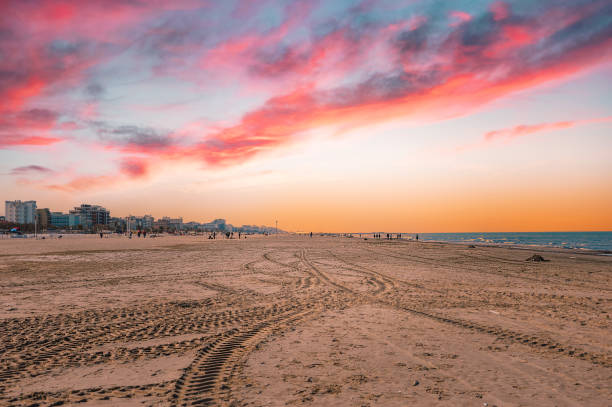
[
  {"x": 44, "y": 217},
  {"x": 74, "y": 220},
  {"x": 166, "y": 223},
  {"x": 65, "y": 220},
  {"x": 117, "y": 224},
  {"x": 91, "y": 215},
  {"x": 20, "y": 212},
  {"x": 173, "y": 223},
  {"x": 218, "y": 225},
  {"x": 59, "y": 220},
  {"x": 192, "y": 226},
  {"x": 145, "y": 222}
]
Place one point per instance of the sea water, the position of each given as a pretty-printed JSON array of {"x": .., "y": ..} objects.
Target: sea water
[{"x": 569, "y": 240}]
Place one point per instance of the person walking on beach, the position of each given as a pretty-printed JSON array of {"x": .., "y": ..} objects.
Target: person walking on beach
[
  {"x": 101, "y": 235},
  {"x": 417, "y": 236}
]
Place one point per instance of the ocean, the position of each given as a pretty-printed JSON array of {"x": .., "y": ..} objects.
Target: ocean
[{"x": 568, "y": 240}]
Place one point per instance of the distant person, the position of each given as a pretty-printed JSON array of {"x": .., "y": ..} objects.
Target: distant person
[
  {"x": 417, "y": 236},
  {"x": 144, "y": 234},
  {"x": 310, "y": 234},
  {"x": 101, "y": 235},
  {"x": 139, "y": 233},
  {"x": 239, "y": 234}
]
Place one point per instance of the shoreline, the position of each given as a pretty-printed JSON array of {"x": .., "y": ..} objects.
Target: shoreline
[
  {"x": 552, "y": 249},
  {"x": 517, "y": 246}
]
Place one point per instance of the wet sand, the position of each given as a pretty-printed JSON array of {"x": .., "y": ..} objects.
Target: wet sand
[{"x": 293, "y": 320}]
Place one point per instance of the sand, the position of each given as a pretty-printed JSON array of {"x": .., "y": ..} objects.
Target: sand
[{"x": 293, "y": 320}]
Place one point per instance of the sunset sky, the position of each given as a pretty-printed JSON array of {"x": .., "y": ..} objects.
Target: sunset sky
[{"x": 406, "y": 116}]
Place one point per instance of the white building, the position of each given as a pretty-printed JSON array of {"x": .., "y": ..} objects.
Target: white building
[
  {"x": 147, "y": 222},
  {"x": 141, "y": 223},
  {"x": 20, "y": 212},
  {"x": 91, "y": 215}
]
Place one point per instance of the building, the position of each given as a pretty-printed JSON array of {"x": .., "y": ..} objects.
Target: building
[
  {"x": 91, "y": 215},
  {"x": 192, "y": 226},
  {"x": 20, "y": 212},
  {"x": 219, "y": 225},
  {"x": 44, "y": 217},
  {"x": 147, "y": 222},
  {"x": 65, "y": 220},
  {"x": 117, "y": 224},
  {"x": 167, "y": 223},
  {"x": 74, "y": 220},
  {"x": 59, "y": 220},
  {"x": 175, "y": 223},
  {"x": 141, "y": 222}
]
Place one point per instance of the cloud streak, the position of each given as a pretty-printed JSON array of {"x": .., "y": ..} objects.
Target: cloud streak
[
  {"x": 9, "y": 141},
  {"x": 529, "y": 129},
  {"x": 31, "y": 169}
]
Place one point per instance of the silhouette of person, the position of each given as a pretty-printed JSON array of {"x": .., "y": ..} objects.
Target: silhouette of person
[{"x": 417, "y": 236}]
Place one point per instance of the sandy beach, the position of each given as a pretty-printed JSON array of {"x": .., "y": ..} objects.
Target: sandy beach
[{"x": 293, "y": 320}]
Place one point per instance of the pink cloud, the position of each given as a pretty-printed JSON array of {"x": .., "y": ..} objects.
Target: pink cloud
[
  {"x": 460, "y": 17},
  {"x": 528, "y": 129},
  {"x": 19, "y": 140},
  {"x": 129, "y": 169},
  {"x": 500, "y": 10}
]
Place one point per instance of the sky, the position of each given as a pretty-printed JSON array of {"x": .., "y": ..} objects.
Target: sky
[{"x": 331, "y": 116}]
